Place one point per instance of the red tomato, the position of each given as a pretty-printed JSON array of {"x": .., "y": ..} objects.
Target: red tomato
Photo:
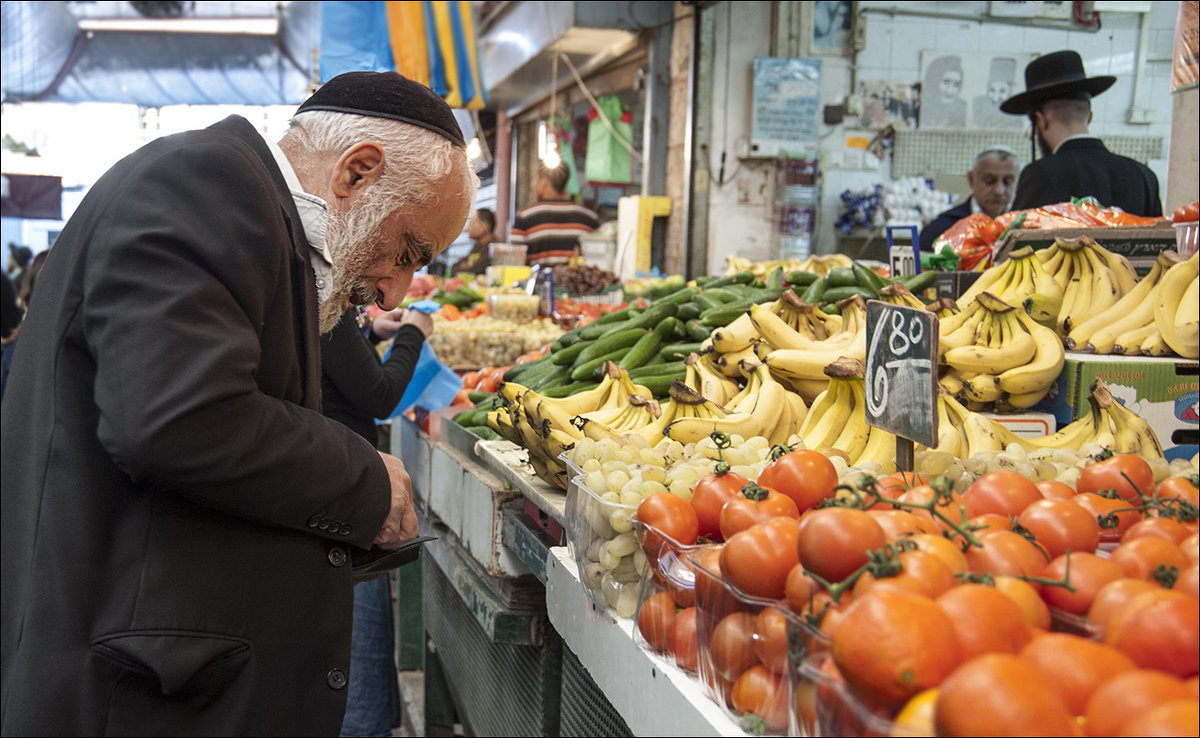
[
  {"x": 805, "y": 476},
  {"x": 1141, "y": 557},
  {"x": 1166, "y": 528},
  {"x": 1128, "y": 474},
  {"x": 921, "y": 572},
  {"x": 1052, "y": 489},
  {"x": 1109, "y": 512},
  {"x": 771, "y": 639},
  {"x": 834, "y": 541},
  {"x": 1061, "y": 526},
  {"x": 654, "y": 619},
  {"x": 1178, "y": 488},
  {"x": 732, "y": 647},
  {"x": 1188, "y": 213},
  {"x": 761, "y": 693},
  {"x": 684, "y": 643},
  {"x": 709, "y": 496},
  {"x": 1088, "y": 573},
  {"x": 754, "y": 505},
  {"x": 900, "y": 523},
  {"x": 669, "y": 514},
  {"x": 1003, "y": 492},
  {"x": 758, "y": 559},
  {"x": 1005, "y": 552},
  {"x": 800, "y": 589}
]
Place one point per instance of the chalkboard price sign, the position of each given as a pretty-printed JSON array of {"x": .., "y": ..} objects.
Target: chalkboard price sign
[{"x": 901, "y": 378}]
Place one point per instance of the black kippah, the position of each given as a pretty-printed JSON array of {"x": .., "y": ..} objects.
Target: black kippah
[{"x": 386, "y": 95}]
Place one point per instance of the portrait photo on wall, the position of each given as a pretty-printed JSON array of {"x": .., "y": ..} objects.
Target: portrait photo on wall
[
  {"x": 964, "y": 90},
  {"x": 889, "y": 103},
  {"x": 832, "y": 23}
]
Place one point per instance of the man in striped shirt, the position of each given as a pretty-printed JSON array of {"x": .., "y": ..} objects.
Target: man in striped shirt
[{"x": 550, "y": 228}]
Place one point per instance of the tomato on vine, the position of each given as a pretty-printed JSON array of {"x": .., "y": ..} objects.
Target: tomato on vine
[
  {"x": 753, "y": 505},
  {"x": 710, "y": 495},
  {"x": 806, "y": 476},
  {"x": 1129, "y": 475}
]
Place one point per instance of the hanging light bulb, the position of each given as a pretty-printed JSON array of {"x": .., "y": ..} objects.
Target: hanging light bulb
[{"x": 548, "y": 146}]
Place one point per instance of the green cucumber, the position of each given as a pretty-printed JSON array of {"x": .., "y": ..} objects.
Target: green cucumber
[
  {"x": 659, "y": 385},
  {"x": 675, "y": 368},
  {"x": 743, "y": 277},
  {"x": 815, "y": 291},
  {"x": 837, "y": 294},
  {"x": 842, "y": 277},
  {"x": 720, "y": 295},
  {"x": 867, "y": 278},
  {"x": 918, "y": 283},
  {"x": 566, "y": 390},
  {"x": 621, "y": 339},
  {"x": 678, "y": 351},
  {"x": 697, "y": 331},
  {"x": 774, "y": 279},
  {"x": 485, "y": 433},
  {"x": 688, "y": 311},
  {"x": 641, "y": 352},
  {"x": 800, "y": 277},
  {"x": 479, "y": 396},
  {"x": 677, "y": 297},
  {"x": 518, "y": 372},
  {"x": 553, "y": 379},
  {"x": 589, "y": 370},
  {"x": 566, "y": 357}
]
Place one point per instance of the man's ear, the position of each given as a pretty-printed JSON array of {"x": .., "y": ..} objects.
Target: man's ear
[{"x": 359, "y": 167}]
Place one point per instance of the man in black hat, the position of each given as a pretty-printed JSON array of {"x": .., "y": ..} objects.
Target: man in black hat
[
  {"x": 179, "y": 519},
  {"x": 1057, "y": 99}
]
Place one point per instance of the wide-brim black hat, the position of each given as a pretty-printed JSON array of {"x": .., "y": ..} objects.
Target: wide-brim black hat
[{"x": 1055, "y": 76}]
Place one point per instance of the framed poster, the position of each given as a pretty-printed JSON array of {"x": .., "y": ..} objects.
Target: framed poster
[
  {"x": 787, "y": 101},
  {"x": 830, "y": 27},
  {"x": 888, "y": 103},
  {"x": 964, "y": 90}
]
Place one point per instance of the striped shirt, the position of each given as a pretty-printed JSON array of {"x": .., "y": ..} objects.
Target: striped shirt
[{"x": 550, "y": 230}]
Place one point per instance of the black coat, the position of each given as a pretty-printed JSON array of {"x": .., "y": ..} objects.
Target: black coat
[
  {"x": 942, "y": 223},
  {"x": 177, "y": 514},
  {"x": 355, "y": 387},
  {"x": 1084, "y": 167}
]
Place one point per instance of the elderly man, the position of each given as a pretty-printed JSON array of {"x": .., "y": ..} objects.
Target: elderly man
[
  {"x": 1058, "y": 100},
  {"x": 179, "y": 519},
  {"x": 991, "y": 180}
]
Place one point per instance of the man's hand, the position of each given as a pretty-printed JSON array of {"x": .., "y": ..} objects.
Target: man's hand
[
  {"x": 401, "y": 522},
  {"x": 386, "y": 325}
]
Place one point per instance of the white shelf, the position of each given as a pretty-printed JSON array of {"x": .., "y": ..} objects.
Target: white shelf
[{"x": 653, "y": 696}]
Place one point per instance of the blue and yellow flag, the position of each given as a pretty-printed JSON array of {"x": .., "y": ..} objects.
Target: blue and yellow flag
[{"x": 430, "y": 41}]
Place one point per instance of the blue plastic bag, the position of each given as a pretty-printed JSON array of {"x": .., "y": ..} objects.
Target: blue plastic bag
[{"x": 433, "y": 384}]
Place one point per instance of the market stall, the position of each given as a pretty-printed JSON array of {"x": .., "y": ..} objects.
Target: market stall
[{"x": 564, "y": 540}]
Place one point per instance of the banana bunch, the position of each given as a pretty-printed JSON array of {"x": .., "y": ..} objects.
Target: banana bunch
[
  {"x": 764, "y": 407},
  {"x": 996, "y": 354},
  {"x": 801, "y": 359},
  {"x": 1022, "y": 281},
  {"x": 1108, "y": 424},
  {"x": 1092, "y": 278},
  {"x": 897, "y": 294},
  {"x": 543, "y": 425},
  {"x": 800, "y": 316},
  {"x": 1129, "y": 322},
  {"x": 1177, "y": 308},
  {"x": 837, "y": 420},
  {"x": 943, "y": 308},
  {"x": 704, "y": 379}
]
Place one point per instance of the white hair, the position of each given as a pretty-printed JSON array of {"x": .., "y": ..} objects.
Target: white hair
[
  {"x": 415, "y": 158},
  {"x": 999, "y": 151}
]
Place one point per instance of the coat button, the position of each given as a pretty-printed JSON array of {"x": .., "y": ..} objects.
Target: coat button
[
  {"x": 346, "y": 529},
  {"x": 323, "y": 524},
  {"x": 336, "y": 678},
  {"x": 337, "y": 556},
  {"x": 314, "y": 521}
]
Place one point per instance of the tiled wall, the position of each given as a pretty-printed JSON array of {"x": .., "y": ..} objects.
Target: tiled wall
[{"x": 893, "y": 46}]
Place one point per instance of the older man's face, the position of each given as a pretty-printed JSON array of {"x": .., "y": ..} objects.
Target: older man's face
[
  {"x": 376, "y": 248},
  {"x": 992, "y": 182}
]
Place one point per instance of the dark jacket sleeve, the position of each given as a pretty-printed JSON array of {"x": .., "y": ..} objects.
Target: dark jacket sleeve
[
  {"x": 10, "y": 314},
  {"x": 371, "y": 389}
]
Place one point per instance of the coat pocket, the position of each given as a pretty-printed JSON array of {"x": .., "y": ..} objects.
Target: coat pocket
[{"x": 175, "y": 658}]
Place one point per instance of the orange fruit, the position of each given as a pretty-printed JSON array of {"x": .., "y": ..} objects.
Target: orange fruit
[
  {"x": 1075, "y": 666},
  {"x": 1178, "y": 718},
  {"x": 985, "y": 620},
  {"x": 892, "y": 644},
  {"x": 1000, "y": 694},
  {"x": 1159, "y": 630},
  {"x": 1122, "y": 697}
]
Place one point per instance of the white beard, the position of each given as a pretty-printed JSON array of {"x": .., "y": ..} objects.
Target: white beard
[{"x": 352, "y": 240}]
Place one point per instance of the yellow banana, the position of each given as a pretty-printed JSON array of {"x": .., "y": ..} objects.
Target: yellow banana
[
  {"x": 1187, "y": 316},
  {"x": 880, "y": 449},
  {"x": 727, "y": 364},
  {"x": 1075, "y": 434},
  {"x": 996, "y": 357},
  {"x": 853, "y": 437},
  {"x": 1106, "y": 289},
  {"x": 737, "y": 336},
  {"x": 990, "y": 279},
  {"x": 1174, "y": 286},
  {"x": 808, "y": 389},
  {"x": 1045, "y": 366},
  {"x": 1077, "y": 295},
  {"x": 826, "y": 416},
  {"x": 898, "y": 294},
  {"x": 1126, "y": 275},
  {"x": 1155, "y": 344},
  {"x": 982, "y": 388},
  {"x": 1131, "y": 433},
  {"x": 1045, "y": 303},
  {"x": 1130, "y": 342},
  {"x": 775, "y": 330},
  {"x": 1098, "y": 334}
]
